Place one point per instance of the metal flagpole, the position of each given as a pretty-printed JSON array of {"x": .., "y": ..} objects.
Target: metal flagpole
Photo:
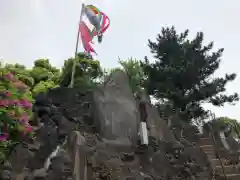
[{"x": 76, "y": 50}]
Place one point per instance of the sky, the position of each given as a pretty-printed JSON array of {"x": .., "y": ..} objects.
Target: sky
[{"x": 32, "y": 29}]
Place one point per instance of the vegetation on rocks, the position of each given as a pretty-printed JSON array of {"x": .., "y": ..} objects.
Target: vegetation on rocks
[
  {"x": 180, "y": 79},
  {"x": 222, "y": 123}
]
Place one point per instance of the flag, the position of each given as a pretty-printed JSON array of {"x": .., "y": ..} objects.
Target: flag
[{"x": 93, "y": 23}]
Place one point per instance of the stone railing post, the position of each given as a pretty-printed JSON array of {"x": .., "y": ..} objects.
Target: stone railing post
[{"x": 78, "y": 155}]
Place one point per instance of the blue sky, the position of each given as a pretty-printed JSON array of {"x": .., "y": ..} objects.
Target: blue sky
[{"x": 31, "y": 29}]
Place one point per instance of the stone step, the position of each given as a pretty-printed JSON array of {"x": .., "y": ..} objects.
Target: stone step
[
  {"x": 229, "y": 177},
  {"x": 136, "y": 178},
  {"x": 207, "y": 148},
  {"x": 130, "y": 178},
  {"x": 201, "y": 135},
  {"x": 210, "y": 153},
  {"x": 227, "y": 169},
  {"x": 215, "y": 162},
  {"x": 211, "y": 156},
  {"x": 205, "y": 141}
]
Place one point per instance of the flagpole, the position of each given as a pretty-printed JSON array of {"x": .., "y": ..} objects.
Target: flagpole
[{"x": 76, "y": 50}]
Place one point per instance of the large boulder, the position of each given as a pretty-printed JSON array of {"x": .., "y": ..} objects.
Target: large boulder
[{"x": 115, "y": 110}]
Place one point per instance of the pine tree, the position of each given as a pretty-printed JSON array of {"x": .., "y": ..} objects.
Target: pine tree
[{"x": 183, "y": 73}]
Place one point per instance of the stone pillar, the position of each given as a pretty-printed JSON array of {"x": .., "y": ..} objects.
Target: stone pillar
[{"x": 78, "y": 155}]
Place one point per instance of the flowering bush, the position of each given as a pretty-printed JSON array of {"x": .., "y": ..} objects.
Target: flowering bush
[{"x": 15, "y": 112}]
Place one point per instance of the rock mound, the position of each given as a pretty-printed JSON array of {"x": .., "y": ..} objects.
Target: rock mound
[{"x": 94, "y": 135}]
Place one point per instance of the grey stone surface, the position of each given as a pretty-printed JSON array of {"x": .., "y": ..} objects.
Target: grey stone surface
[
  {"x": 157, "y": 126},
  {"x": 21, "y": 155},
  {"x": 115, "y": 109},
  {"x": 110, "y": 155}
]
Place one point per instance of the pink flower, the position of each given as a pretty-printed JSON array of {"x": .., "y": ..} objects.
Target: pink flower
[
  {"x": 4, "y": 102},
  {"x": 24, "y": 118},
  {"x": 7, "y": 102},
  {"x": 1, "y": 102},
  {"x": 29, "y": 129},
  {"x": 10, "y": 76},
  {"x": 9, "y": 94},
  {"x": 15, "y": 102},
  {"x": 25, "y": 103},
  {"x": 3, "y": 137}
]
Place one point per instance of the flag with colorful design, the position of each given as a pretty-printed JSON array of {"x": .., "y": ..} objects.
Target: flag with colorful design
[{"x": 93, "y": 23}]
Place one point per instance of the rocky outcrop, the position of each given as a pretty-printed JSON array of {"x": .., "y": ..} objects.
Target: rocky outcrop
[
  {"x": 51, "y": 133},
  {"x": 157, "y": 126},
  {"x": 115, "y": 109},
  {"x": 94, "y": 136}
]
